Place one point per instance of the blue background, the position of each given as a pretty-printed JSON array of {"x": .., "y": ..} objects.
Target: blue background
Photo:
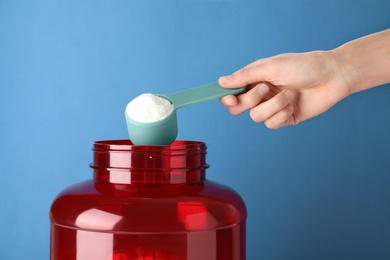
[{"x": 319, "y": 190}]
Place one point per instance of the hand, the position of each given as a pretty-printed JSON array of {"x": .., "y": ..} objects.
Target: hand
[{"x": 287, "y": 89}]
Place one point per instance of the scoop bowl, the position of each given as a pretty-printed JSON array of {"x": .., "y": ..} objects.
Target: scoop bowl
[{"x": 161, "y": 132}]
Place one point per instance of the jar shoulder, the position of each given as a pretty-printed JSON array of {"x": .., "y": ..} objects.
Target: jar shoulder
[{"x": 202, "y": 206}]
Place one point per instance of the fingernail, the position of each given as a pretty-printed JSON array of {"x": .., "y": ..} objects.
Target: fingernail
[
  {"x": 262, "y": 89},
  {"x": 225, "y": 79},
  {"x": 288, "y": 94}
]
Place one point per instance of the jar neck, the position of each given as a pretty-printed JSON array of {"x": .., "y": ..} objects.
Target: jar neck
[{"x": 121, "y": 162}]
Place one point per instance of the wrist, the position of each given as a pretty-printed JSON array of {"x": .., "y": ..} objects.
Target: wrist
[
  {"x": 342, "y": 77},
  {"x": 363, "y": 63}
]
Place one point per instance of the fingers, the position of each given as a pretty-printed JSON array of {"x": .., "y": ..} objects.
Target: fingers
[
  {"x": 282, "y": 118},
  {"x": 275, "y": 112},
  {"x": 238, "y": 104},
  {"x": 229, "y": 100}
]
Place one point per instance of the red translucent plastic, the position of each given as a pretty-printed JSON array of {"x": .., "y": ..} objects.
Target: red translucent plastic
[{"x": 148, "y": 203}]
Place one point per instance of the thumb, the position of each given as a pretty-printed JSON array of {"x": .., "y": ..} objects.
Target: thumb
[{"x": 243, "y": 77}]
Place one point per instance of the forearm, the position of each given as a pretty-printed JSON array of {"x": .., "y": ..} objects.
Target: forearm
[{"x": 365, "y": 62}]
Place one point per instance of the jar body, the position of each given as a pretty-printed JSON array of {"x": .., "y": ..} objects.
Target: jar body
[{"x": 104, "y": 220}]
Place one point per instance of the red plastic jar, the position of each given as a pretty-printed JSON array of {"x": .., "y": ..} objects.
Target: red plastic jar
[{"x": 148, "y": 203}]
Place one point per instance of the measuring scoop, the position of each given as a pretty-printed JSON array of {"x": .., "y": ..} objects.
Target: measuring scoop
[{"x": 164, "y": 131}]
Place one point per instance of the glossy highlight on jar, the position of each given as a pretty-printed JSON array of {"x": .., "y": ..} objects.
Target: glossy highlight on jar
[{"x": 148, "y": 203}]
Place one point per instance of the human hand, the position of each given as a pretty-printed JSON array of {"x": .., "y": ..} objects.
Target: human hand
[{"x": 287, "y": 89}]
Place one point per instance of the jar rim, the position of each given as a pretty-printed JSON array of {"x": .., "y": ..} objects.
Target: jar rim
[{"x": 127, "y": 145}]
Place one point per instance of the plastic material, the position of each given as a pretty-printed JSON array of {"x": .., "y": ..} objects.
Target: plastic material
[
  {"x": 200, "y": 94},
  {"x": 164, "y": 132},
  {"x": 148, "y": 203}
]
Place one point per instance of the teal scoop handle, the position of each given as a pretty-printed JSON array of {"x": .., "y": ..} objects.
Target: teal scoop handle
[{"x": 200, "y": 94}]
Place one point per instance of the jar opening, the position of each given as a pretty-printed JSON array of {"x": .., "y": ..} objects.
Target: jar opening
[{"x": 119, "y": 161}]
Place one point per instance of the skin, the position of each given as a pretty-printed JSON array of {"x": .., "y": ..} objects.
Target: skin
[{"x": 290, "y": 88}]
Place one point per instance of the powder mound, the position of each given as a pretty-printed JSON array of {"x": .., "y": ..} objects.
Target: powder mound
[{"x": 147, "y": 108}]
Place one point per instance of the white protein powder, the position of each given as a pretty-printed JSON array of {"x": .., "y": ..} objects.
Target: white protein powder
[{"x": 147, "y": 108}]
